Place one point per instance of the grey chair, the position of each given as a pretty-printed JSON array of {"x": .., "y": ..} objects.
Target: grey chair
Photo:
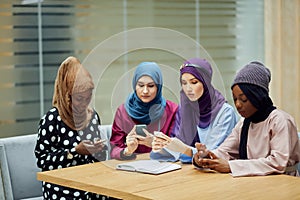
[
  {"x": 105, "y": 132},
  {"x": 18, "y": 168}
]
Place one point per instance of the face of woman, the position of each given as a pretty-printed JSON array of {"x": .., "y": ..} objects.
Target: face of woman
[
  {"x": 242, "y": 103},
  {"x": 191, "y": 86},
  {"x": 146, "y": 89},
  {"x": 80, "y": 101}
]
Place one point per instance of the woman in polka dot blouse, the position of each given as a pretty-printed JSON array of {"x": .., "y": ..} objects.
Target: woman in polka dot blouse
[{"x": 68, "y": 134}]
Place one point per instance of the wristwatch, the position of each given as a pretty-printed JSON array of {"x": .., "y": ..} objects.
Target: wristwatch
[{"x": 125, "y": 152}]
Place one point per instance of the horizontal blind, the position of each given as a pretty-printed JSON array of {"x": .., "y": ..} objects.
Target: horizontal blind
[
  {"x": 231, "y": 32},
  {"x": 227, "y": 30},
  {"x": 68, "y": 28}
]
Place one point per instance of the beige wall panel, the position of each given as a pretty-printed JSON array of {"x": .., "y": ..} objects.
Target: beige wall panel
[{"x": 282, "y": 50}]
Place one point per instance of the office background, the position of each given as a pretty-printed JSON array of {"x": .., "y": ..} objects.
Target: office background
[{"x": 110, "y": 38}]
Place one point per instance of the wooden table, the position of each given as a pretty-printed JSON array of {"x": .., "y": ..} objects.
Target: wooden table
[{"x": 187, "y": 183}]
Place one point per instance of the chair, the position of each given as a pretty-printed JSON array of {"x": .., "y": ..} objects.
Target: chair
[
  {"x": 105, "y": 132},
  {"x": 18, "y": 168}
]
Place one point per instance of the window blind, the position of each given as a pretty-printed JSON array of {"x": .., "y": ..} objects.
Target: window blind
[{"x": 229, "y": 30}]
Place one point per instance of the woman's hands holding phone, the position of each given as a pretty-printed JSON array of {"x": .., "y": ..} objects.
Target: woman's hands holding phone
[
  {"x": 174, "y": 144},
  {"x": 87, "y": 147},
  {"x": 160, "y": 141},
  {"x": 207, "y": 159},
  {"x": 147, "y": 140}
]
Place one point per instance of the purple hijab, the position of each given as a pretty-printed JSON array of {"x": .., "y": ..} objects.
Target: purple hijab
[{"x": 203, "y": 111}]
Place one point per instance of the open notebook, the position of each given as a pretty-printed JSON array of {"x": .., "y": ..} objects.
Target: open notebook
[{"x": 148, "y": 166}]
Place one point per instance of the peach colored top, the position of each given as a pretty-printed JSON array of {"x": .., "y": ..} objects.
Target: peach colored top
[{"x": 272, "y": 146}]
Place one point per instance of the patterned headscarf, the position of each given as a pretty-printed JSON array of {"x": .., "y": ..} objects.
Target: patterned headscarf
[
  {"x": 136, "y": 108},
  {"x": 203, "y": 111},
  {"x": 72, "y": 78}
]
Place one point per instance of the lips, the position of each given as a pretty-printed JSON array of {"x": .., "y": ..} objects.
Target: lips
[{"x": 242, "y": 113}]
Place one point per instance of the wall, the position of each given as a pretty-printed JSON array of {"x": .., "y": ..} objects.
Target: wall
[{"x": 282, "y": 53}]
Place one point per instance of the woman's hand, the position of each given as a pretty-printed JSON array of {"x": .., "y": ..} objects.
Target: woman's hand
[
  {"x": 173, "y": 144},
  {"x": 147, "y": 141},
  {"x": 131, "y": 142},
  {"x": 87, "y": 147},
  {"x": 207, "y": 159},
  {"x": 203, "y": 152},
  {"x": 160, "y": 142},
  {"x": 217, "y": 164}
]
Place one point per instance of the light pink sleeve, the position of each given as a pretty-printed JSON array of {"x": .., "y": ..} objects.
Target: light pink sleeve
[{"x": 272, "y": 145}]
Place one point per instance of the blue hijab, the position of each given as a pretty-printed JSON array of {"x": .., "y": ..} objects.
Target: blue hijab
[{"x": 146, "y": 112}]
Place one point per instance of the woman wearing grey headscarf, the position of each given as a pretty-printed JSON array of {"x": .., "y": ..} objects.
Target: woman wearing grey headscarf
[{"x": 265, "y": 140}]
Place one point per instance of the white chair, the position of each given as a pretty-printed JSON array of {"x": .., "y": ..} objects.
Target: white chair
[{"x": 18, "y": 168}]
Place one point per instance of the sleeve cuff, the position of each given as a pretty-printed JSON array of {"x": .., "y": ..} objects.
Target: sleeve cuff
[{"x": 124, "y": 157}]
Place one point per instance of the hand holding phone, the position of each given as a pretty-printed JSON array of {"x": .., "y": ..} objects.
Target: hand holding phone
[
  {"x": 202, "y": 150},
  {"x": 100, "y": 143},
  {"x": 98, "y": 140},
  {"x": 162, "y": 136}
]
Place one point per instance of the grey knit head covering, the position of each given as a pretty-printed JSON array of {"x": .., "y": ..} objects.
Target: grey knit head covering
[{"x": 254, "y": 73}]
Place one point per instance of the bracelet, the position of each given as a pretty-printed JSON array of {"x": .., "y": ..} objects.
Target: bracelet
[{"x": 127, "y": 157}]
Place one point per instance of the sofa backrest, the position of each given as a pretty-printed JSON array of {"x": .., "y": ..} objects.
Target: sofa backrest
[
  {"x": 18, "y": 168},
  {"x": 105, "y": 131}
]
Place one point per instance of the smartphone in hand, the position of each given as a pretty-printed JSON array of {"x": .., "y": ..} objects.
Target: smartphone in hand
[
  {"x": 98, "y": 140},
  {"x": 139, "y": 129}
]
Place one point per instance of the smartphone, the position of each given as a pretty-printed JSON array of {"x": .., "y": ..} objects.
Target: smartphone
[
  {"x": 98, "y": 140},
  {"x": 139, "y": 129}
]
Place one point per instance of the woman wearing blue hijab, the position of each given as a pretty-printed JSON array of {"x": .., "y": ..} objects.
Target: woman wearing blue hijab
[{"x": 145, "y": 105}]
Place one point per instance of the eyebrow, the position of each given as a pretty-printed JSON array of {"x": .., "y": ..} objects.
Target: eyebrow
[
  {"x": 240, "y": 95},
  {"x": 141, "y": 82},
  {"x": 190, "y": 79}
]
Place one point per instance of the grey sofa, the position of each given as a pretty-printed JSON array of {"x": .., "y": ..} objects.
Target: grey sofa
[{"x": 18, "y": 166}]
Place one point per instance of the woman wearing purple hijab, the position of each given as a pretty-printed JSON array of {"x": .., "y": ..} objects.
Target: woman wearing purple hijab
[{"x": 203, "y": 116}]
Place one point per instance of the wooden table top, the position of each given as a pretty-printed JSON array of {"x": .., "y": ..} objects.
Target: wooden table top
[{"x": 103, "y": 178}]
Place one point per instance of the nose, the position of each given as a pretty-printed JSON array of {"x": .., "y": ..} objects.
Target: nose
[
  {"x": 188, "y": 87},
  {"x": 145, "y": 89},
  {"x": 238, "y": 104}
]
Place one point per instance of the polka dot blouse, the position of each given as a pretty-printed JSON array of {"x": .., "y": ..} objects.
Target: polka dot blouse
[{"x": 55, "y": 140}]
